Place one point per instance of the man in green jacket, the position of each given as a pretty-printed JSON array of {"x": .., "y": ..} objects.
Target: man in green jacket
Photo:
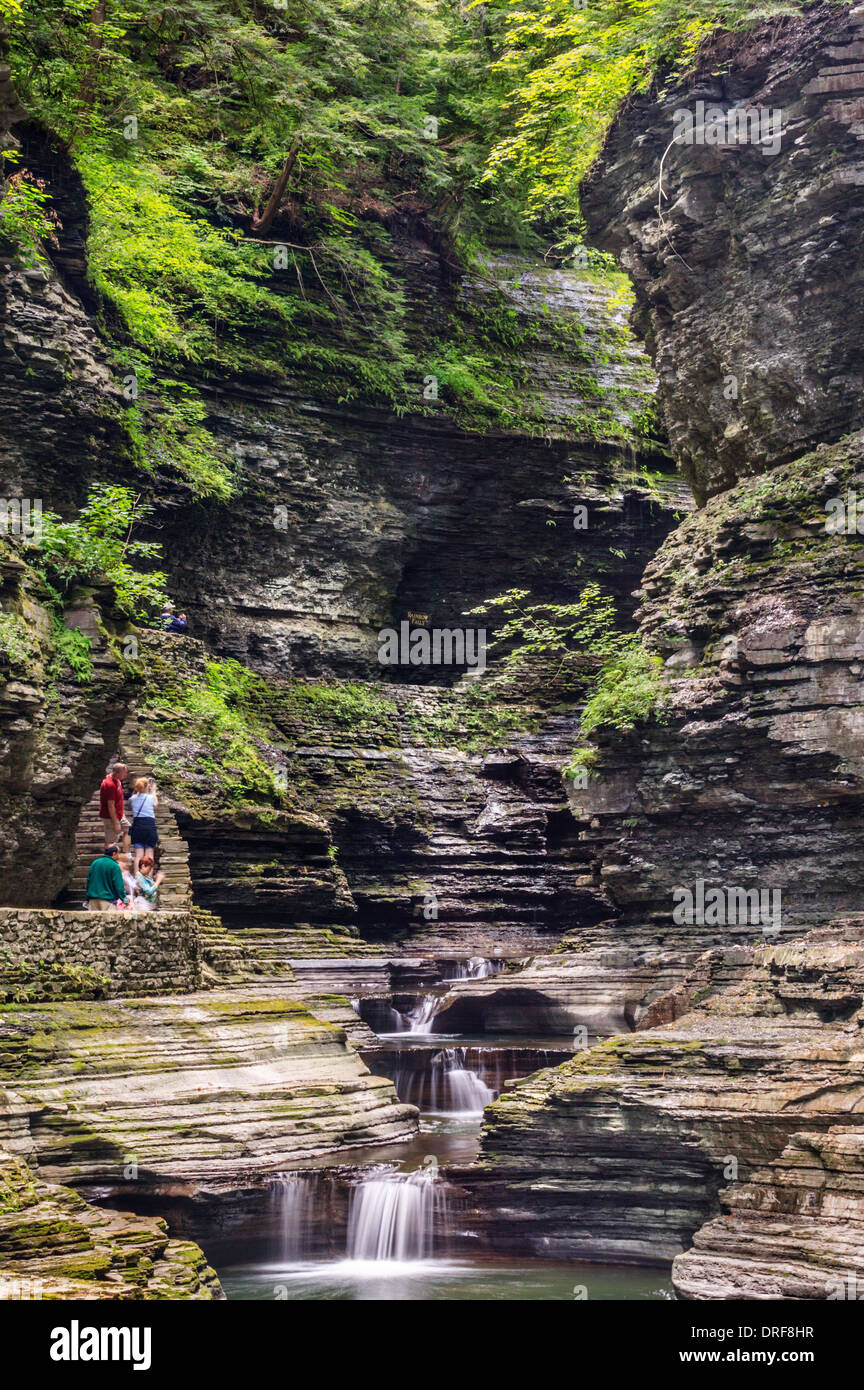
[{"x": 105, "y": 886}]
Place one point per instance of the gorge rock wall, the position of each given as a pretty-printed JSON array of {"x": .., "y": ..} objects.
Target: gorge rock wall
[
  {"x": 351, "y": 519},
  {"x": 748, "y": 773},
  {"x": 56, "y": 732},
  {"x": 753, "y": 776},
  {"x": 793, "y": 1231},
  {"x": 746, "y": 264},
  {"x": 54, "y": 1245},
  {"x": 140, "y": 1094},
  {"x": 620, "y": 1154}
]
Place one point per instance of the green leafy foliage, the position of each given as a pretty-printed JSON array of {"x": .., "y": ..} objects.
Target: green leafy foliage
[
  {"x": 74, "y": 649},
  {"x": 630, "y": 689},
  {"x": 18, "y": 649},
  {"x": 26, "y": 220},
  {"x": 568, "y": 640},
  {"x": 181, "y": 120},
  {"x": 212, "y": 738},
  {"x": 98, "y": 546},
  {"x": 579, "y": 646},
  {"x": 568, "y": 69},
  {"x": 346, "y": 704}
]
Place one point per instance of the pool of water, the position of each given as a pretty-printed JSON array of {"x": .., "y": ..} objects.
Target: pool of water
[
  {"x": 399, "y": 1223},
  {"x": 429, "y": 1281}
]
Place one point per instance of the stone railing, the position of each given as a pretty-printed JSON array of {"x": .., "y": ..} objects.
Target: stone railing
[{"x": 138, "y": 953}]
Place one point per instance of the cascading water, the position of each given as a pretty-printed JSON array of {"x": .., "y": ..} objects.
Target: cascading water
[
  {"x": 422, "y": 1016},
  {"x": 396, "y": 1216},
  {"x": 476, "y": 968},
  {"x": 293, "y": 1200},
  {"x": 466, "y": 1093}
]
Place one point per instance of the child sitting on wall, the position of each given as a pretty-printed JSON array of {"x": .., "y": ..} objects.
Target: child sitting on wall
[{"x": 148, "y": 883}]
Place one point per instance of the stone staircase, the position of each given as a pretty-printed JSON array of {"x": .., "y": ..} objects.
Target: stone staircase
[
  {"x": 175, "y": 892},
  {"x": 223, "y": 953},
  {"x": 274, "y": 947},
  {"x": 226, "y": 958}
]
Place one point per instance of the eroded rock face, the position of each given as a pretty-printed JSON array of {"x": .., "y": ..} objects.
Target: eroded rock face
[
  {"x": 599, "y": 981},
  {"x": 353, "y": 520},
  {"x": 749, "y": 278},
  {"x": 215, "y": 1086},
  {"x": 56, "y": 736},
  {"x": 619, "y": 1155},
  {"x": 792, "y": 1231},
  {"x": 754, "y": 773},
  {"x": 54, "y": 1245}
]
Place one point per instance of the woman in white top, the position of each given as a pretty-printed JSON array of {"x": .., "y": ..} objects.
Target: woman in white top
[{"x": 144, "y": 835}]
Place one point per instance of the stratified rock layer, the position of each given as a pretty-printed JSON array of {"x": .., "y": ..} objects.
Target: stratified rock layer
[
  {"x": 619, "y": 1154},
  {"x": 54, "y": 1245},
  {"x": 56, "y": 732},
  {"x": 795, "y": 1230},
  {"x": 210, "y": 1086},
  {"x": 752, "y": 776},
  {"x": 747, "y": 264}
]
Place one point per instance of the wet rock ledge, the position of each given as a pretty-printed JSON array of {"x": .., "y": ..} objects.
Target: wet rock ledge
[
  {"x": 620, "y": 1154},
  {"x": 54, "y": 1245}
]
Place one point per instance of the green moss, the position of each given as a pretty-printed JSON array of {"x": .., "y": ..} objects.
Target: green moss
[
  {"x": 472, "y": 719},
  {"x": 211, "y": 725},
  {"x": 40, "y": 980}
]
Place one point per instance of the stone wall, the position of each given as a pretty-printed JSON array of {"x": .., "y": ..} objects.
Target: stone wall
[{"x": 147, "y": 953}]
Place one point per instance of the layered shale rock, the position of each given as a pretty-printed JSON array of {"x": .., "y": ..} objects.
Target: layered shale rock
[
  {"x": 619, "y": 1154},
  {"x": 137, "y": 1094},
  {"x": 54, "y": 1245},
  {"x": 793, "y": 1231},
  {"x": 395, "y": 821},
  {"x": 351, "y": 519},
  {"x": 752, "y": 774},
  {"x": 746, "y": 263},
  {"x": 598, "y": 982},
  {"x": 56, "y": 732}
]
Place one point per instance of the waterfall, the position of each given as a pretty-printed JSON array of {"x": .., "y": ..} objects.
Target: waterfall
[
  {"x": 478, "y": 968},
  {"x": 465, "y": 1092},
  {"x": 292, "y": 1198},
  {"x": 393, "y": 1216},
  {"x": 475, "y": 968},
  {"x": 422, "y": 1016}
]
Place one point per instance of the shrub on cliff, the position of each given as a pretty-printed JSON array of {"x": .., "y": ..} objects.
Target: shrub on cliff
[
  {"x": 629, "y": 689},
  {"x": 97, "y": 544}
]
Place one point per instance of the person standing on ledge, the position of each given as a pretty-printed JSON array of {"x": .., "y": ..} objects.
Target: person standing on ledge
[
  {"x": 144, "y": 834},
  {"x": 111, "y": 804},
  {"x": 106, "y": 890}
]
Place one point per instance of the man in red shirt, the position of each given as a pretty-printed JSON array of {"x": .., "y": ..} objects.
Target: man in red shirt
[{"x": 111, "y": 803}]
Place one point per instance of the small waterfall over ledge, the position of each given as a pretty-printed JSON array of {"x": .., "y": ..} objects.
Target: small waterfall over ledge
[
  {"x": 396, "y": 1216},
  {"x": 422, "y": 1016},
  {"x": 475, "y": 968},
  {"x": 293, "y": 1201},
  {"x": 465, "y": 1092}
]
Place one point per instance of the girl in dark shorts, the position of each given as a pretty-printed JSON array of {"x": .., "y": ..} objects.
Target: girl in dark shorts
[{"x": 144, "y": 835}]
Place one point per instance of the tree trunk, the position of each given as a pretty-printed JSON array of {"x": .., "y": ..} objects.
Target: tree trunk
[
  {"x": 262, "y": 222},
  {"x": 91, "y": 73}
]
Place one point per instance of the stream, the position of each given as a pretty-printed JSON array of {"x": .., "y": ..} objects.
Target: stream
[{"x": 389, "y": 1225}]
